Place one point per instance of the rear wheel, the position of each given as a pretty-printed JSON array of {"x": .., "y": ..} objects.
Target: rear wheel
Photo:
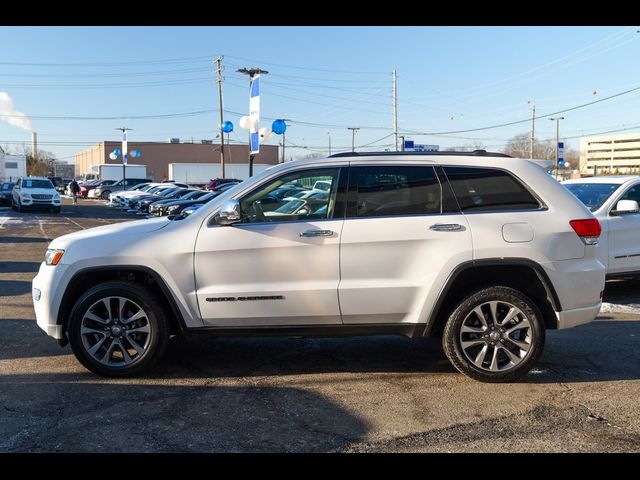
[
  {"x": 494, "y": 335},
  {"x": 116, "y": 329}
]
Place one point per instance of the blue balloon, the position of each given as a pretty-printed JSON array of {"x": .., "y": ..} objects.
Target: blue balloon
[
  {"x": 227, "y": 126},
  {"x": 135, "y": 154},
  {"x": 279, "y": 127},
  {"x": 117, "y": 151}
]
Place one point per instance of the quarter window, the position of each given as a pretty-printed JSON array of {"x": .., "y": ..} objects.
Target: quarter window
[
  {"x": 303, "y": 195},
  {"x": 397, "y": 191},
  {"x": 483, "y": 189}
]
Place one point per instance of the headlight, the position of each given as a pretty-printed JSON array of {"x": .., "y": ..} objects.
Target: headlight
[
  {"x": 53, "y": 256},
  {"x": 25, "y": 195},
  {"x": 173, "y": 208}
]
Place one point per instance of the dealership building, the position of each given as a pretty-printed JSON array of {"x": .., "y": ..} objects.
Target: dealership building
[
  {"x": 158, "y": 155},
  {"x": 610, "y": 154}
]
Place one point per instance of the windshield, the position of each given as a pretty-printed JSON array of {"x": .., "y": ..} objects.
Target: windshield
[
  {"x": 593, "y": 195},
  {"x": 36, "y": 184}
]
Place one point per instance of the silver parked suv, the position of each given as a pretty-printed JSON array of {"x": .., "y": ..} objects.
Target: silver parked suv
[{"x": 484, "y": 250}]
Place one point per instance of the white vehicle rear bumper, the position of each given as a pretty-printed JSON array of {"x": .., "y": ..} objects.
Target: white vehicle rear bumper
[{"x": 577, "y": 316}]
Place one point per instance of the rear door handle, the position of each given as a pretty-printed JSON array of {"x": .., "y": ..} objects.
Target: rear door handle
[
  {"x": 445, "y": 227},
  {"x": 317, "y": 233}
]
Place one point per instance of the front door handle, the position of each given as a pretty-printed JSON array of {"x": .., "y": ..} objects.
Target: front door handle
[
  {"x": 446, "y": 227},
  {"x": 317, "y": 233}
]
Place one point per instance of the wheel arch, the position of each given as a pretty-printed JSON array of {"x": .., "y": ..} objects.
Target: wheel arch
[
  {"x": 520, "y": 273},
  {"x": 86, "y": 278}
]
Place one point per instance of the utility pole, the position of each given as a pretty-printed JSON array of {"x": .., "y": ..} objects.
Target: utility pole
[
  {"x": 284, "y": 137},
  {"x": 329, "y": 133},
  {"x": 124, "y": 131},
  {"x": 251, "y": 72},
  {"x": 533, "y": 131},
  {"x": 218, "y": 71},
  {"x": 394, "y": 94},
  {"x": 557, "y": 120},
  {"x": 353, "y": 137}
]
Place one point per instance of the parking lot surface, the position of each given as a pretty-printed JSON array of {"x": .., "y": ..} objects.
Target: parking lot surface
[{"x": 366, "y": 394}]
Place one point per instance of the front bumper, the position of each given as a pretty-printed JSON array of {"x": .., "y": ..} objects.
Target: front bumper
[{"x": 48, "y": 287}]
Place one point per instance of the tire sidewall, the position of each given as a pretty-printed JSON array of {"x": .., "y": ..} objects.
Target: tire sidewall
[
  {"x": 145, "y": 299},
  {"x": 451, "y": 335}
]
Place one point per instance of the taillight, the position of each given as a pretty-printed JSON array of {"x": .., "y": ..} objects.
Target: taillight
[{"x": 588, "y": 230}]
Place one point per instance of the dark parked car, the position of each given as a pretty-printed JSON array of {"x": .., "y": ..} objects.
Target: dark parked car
[
  {"x": 58, "y": 183},
  {"x": 6, "y": 193}
]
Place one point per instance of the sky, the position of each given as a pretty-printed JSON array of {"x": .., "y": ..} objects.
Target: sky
[{"x": 74, "y": 84}]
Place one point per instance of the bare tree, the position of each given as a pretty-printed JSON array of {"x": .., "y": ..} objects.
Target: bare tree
[
  {"x": 520, "y": 146},
  {"x": 469, "y": 147}
]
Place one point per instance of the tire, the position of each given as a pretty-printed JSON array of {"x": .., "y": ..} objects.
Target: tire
[
  {"x": 19, "y": 206},
  {"x": 110, "y": 347},
  {"x": 13, "y": 204},
  {"x": 105, "y": 195},
  {"x": 494, "y": 352},
  {"x": 56, "y": 210}
]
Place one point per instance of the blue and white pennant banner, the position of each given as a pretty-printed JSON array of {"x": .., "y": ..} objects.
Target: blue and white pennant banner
[{"x": 254, "y": 114}]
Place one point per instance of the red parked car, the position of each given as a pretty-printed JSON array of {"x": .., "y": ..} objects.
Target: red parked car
[{"x": 215, "y": 182}]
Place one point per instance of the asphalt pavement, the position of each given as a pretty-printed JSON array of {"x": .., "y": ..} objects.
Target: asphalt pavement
[{"x": 365, "y": 394}]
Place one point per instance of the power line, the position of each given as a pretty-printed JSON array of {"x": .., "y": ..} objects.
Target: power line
[
  {"x": 112, "y": 64},
  {"x": 528, "y": 119},
  {"x": 297, "y": 67}
]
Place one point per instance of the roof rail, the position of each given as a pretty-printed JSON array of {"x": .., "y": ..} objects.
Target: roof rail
[{"x": 475, "y": 153}]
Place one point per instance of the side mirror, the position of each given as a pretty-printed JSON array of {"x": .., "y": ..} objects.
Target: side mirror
[
  {"x": 229, "y": 213},
  {"x": 626, "y": 206}
]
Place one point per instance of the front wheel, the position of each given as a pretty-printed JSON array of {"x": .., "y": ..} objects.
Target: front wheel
[
  {"x": 117, "y": 329},
  {"x": 105, "y": 195},
  {"x": 494, "y": 335}
]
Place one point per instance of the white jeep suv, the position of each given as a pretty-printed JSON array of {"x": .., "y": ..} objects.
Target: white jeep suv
[
  {"x": 35, "y": 192},
  {"x": 484, "y": 250}
]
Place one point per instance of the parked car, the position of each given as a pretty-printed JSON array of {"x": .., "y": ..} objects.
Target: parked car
[
  {"x": 87, "y": 190},
  {"x": 58, "y": 183},
  {"x": 484, "y": 251},
  {"x": 614, "y": 201},
  {"x": 214, "y": 182},
  {"x": 103, "y": 192},
  {"x": 6, "y": 193},
  {"x": 35, "y": 192},
  {"x": 159, "y": 208}
]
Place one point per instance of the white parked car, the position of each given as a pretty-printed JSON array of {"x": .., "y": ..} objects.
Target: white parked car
[
  {"x": 35, "y": 192},
  {"x": 485, "y": 251},
  {"x": 614, "y": 201}
]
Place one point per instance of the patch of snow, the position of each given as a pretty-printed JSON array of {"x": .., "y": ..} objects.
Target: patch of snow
[{"x": 618, "y": 308}]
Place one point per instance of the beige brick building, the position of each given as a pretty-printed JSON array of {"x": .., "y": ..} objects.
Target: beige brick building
[{"x": 158, "y": 155}]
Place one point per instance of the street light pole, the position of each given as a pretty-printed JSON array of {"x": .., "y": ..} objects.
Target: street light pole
[
  {"x": 251, "y": 72},
  {"x": 218, "y": 71},
  {"x": 329, "y": 133},
  {"x": 557, "y": 120},
  {"x": 124, "y": 131},
  {"x": 353, "y": 137}
]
